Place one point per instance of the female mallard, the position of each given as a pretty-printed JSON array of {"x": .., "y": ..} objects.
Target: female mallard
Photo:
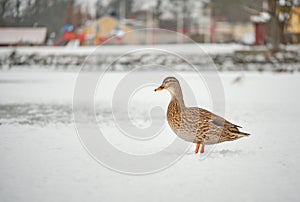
[{"x": 194, "y": 124}]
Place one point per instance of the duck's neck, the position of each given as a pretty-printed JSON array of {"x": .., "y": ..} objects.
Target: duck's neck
[{"x": 177, "y": 96}]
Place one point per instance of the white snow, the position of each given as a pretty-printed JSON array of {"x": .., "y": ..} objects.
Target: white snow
[
  {"x": 110, "y": 49},
  {"x": 44, "y": 161},
  {"x": 262, "y": 17}
]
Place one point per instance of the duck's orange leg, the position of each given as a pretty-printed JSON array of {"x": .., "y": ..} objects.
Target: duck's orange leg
[
  {"x": 197, "y": 148},
  {"x": 202, "y": 148}
]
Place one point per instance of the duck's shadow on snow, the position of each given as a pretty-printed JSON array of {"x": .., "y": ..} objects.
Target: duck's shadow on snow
[
  {"x": 218, "y": 153},
  {"x": 210, "y": 154},
  {"x": 225, "y": 152}
]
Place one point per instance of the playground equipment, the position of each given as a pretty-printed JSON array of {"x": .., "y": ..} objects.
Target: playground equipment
[{"x": 69, "y": 35}]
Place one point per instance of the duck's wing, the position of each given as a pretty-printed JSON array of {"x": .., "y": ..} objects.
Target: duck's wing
[{"x": 217, "y": 120}]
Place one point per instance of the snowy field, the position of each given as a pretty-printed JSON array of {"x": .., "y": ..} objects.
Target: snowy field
[{"x": 42, "y": 158}]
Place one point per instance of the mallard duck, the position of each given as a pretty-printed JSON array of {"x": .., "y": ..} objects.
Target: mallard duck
[{"x": 194, "y": 124}]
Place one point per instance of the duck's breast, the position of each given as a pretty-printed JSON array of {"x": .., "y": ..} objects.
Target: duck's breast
[{"x": 174, "y": 115}]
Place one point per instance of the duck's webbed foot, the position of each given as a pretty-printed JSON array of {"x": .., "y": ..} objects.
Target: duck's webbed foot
[
  {"x": 202, "y": 148},
  {"x": 198, "y": 147}
]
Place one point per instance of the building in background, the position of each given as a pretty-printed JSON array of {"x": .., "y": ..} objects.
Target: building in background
[
  {"x": 226, "y": 32},
  {"x": 99, "y": 31},
  {"x": 260, "y": 23},
  {"x": 22, "y": 36},
  {"x": 293, "y": 26}
]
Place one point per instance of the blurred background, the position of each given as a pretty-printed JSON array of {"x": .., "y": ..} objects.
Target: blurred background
[
  {"x": 92, "y": 22},
  {"x": 266, "y": 31}
]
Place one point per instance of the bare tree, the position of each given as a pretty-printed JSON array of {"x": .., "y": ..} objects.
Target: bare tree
[
  {"x": 3, "y": 9},
  {"x": 7, "y": 11},
  {"x": 275, "y": 31}
]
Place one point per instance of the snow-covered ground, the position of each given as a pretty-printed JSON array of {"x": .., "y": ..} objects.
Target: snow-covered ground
[
  {"x": 42, "y": 158},
  {"x": 86, "y": 50}
]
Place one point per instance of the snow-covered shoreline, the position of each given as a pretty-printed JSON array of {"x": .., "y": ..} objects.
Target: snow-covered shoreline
[
  {"x": 227, "y": 57},
  {"x": 117, "y": 49}
]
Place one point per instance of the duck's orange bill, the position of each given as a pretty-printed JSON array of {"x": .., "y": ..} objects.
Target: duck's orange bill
[{"x": 159, "y": 88}]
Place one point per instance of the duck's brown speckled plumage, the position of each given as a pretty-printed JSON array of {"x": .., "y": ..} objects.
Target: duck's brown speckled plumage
[{"x": 194, "y": 124}]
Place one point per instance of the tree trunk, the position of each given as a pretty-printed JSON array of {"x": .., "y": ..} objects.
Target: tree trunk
[{"x": 275, "y": 34}]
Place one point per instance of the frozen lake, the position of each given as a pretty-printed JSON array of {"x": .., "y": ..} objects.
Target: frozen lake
[{"x": 42, "y": 158}]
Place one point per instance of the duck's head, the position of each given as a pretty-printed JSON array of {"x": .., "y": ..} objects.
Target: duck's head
[{"x": 171, "y": 84}]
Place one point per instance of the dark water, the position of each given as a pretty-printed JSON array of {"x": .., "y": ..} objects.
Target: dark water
[
  {"x": 35, "y": 114},
  {"x": 43, "y": 114}
]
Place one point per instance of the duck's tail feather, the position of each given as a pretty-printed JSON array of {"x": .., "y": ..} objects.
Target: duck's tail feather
[
  {"x": 236, "y": 131},
  {"x": 242, "y": 134}
]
